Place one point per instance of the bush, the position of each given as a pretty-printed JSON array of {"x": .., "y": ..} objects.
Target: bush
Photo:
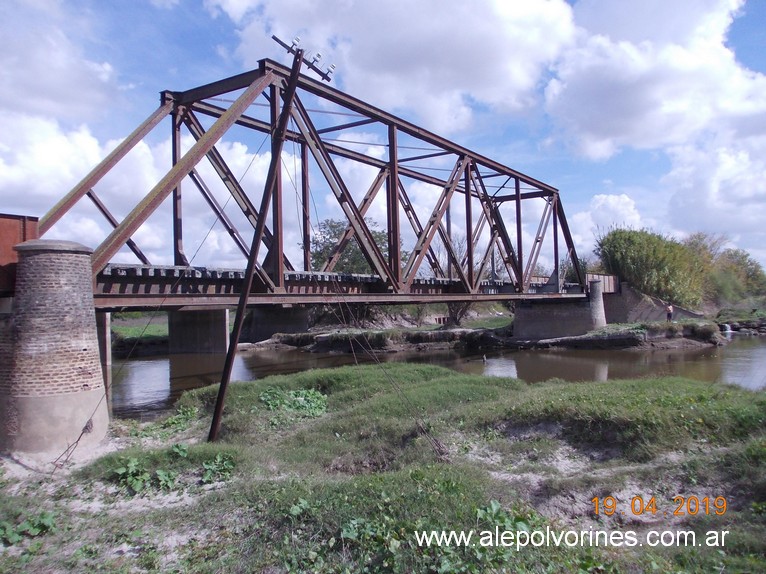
[{"x": 653, "y": 264}]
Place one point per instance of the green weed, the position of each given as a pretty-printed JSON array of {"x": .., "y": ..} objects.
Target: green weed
[
  {"x": 181, "y": 450},
  {"x": 176, "y": 423},
  {"x": 218, "y": 469},
  {"x": 166, "y": 479},
  {"x": 132, "y": 476},
  {"x": 30, "y": 526},
  {"x": 181, "y": 420},
  {"x": 308, "y": 403}
]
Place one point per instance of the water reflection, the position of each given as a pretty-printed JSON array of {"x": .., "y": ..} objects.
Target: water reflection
[{"x": 144, "y": 387}]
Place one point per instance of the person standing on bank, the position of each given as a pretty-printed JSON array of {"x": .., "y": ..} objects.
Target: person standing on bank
[{"x": 669, "y": 312}]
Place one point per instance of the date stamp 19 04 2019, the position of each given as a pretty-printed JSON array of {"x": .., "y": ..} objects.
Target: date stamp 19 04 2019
[{"x": 681, "y": 506}]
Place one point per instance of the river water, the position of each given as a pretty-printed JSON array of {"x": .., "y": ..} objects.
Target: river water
[{"x": 145, "y": 387}]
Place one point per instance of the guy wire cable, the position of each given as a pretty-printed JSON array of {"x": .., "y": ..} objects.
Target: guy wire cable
[{"x": 67, "y": 454}]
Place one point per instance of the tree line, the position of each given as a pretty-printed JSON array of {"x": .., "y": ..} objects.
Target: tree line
[{"x": 697, "y": 271}]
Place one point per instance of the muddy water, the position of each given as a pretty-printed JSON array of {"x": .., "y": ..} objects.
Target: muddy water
[{"x": 143, "y": 388}]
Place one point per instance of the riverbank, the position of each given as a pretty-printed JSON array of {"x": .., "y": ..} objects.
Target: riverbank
[
  {"x": 335, "y": 470},
  {"x": 139, "y": 337},
  {"x": 659, "y": 335}
]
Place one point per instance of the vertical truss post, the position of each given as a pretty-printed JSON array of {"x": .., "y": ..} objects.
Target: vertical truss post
[
  {"x": 468, "y": 225},
  {"x": 448, "y": 217},
  {"x": 277, "y": 244},
  {"x": 392, "y": 209},
  {"x": 179, "y": 258},
  {"x": 519, "y": 251},
  {"x": 252, "y": 261},
  {"x": 306, "y": 199},
  {"x": 556, "y": 270}
]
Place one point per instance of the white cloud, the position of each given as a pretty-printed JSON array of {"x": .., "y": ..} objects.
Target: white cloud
[
  {"x": 234, "y": 9},
  {"x": 40, "y": 161},
  {"x": 400, "y": 56},
  {"x": 657, "y": 21},
  {"x": 721, "y": 189},
  {"x": 43, "y": 67},
  {"x": 604, "y": 212},
  {"x": 650, "y": 77}
]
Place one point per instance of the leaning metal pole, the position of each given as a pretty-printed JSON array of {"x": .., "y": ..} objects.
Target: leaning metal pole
[{"x": 247, "y": 284}]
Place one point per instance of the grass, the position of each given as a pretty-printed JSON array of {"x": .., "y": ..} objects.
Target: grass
[
  {"x": 137, "y": 324},
  {"x": 140, "y": 331},
  {"x": 496, "y": 322},
  {"x": 706, "y": 331},
  {"x": 334, "y": 470},
  {"x": 753, "y": 312}
]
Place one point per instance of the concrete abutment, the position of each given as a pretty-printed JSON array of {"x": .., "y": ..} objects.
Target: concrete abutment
[{"x": 553, "y": 318}]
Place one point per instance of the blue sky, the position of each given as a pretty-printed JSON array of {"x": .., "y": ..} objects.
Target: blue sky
[{"x": 647, "y": 114}]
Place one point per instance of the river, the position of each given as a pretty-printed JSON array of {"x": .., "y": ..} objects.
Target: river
[{"x": 145, "y": 387}]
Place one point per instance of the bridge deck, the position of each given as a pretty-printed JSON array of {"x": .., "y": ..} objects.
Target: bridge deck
[{"x": 142, "y": 286}]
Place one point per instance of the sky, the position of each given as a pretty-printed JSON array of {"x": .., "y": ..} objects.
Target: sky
[{"x": 644, "y": 114}]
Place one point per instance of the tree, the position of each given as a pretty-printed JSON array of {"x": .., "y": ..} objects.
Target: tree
[
  {"x": 695, "y": 270},
  {"x": 737, "y": 276},
  {"x": 568, "y": 271},
  {"x": 351, "y": 260},
  {"x": 706, "y": 248},
  {"x": 653, "y": 264}
]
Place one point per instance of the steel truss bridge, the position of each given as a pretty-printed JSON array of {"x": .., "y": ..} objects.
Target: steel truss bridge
[{"x": 414, "y": 168}]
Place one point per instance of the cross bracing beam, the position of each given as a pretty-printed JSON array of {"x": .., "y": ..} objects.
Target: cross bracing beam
[{"x": 421, "y": 173}]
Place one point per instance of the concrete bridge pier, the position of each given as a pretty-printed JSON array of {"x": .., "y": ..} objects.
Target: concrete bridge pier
[
  {"x": 203, "y": 332},
  {"x": 596, "y": 303},
  {"x": 552, "y": 318},
  {"x": 104, "y": 334},
  {"x": 264, "y": 322},
  {"x": 52, "y": 394}
]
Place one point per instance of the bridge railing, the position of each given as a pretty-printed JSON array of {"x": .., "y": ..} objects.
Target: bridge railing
[{"x": 609, "y": 283}]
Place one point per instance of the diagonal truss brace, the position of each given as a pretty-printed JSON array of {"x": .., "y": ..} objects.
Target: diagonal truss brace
[
  {"x": 230, "y": 181},
  {"x": 349, "y": 232},
  {"x": 154, "y": 198},
  {"x": 322, "y": 157},
  {"x": 433, "y": 225},
  {"x": 538, "y": 242},
  {"x": 98, "y": 172}
]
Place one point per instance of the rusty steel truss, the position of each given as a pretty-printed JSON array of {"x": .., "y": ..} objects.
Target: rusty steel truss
[{"x": 273, "y": 99}]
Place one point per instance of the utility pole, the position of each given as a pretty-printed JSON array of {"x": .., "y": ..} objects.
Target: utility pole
[{"x": 269, "y": 190}]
